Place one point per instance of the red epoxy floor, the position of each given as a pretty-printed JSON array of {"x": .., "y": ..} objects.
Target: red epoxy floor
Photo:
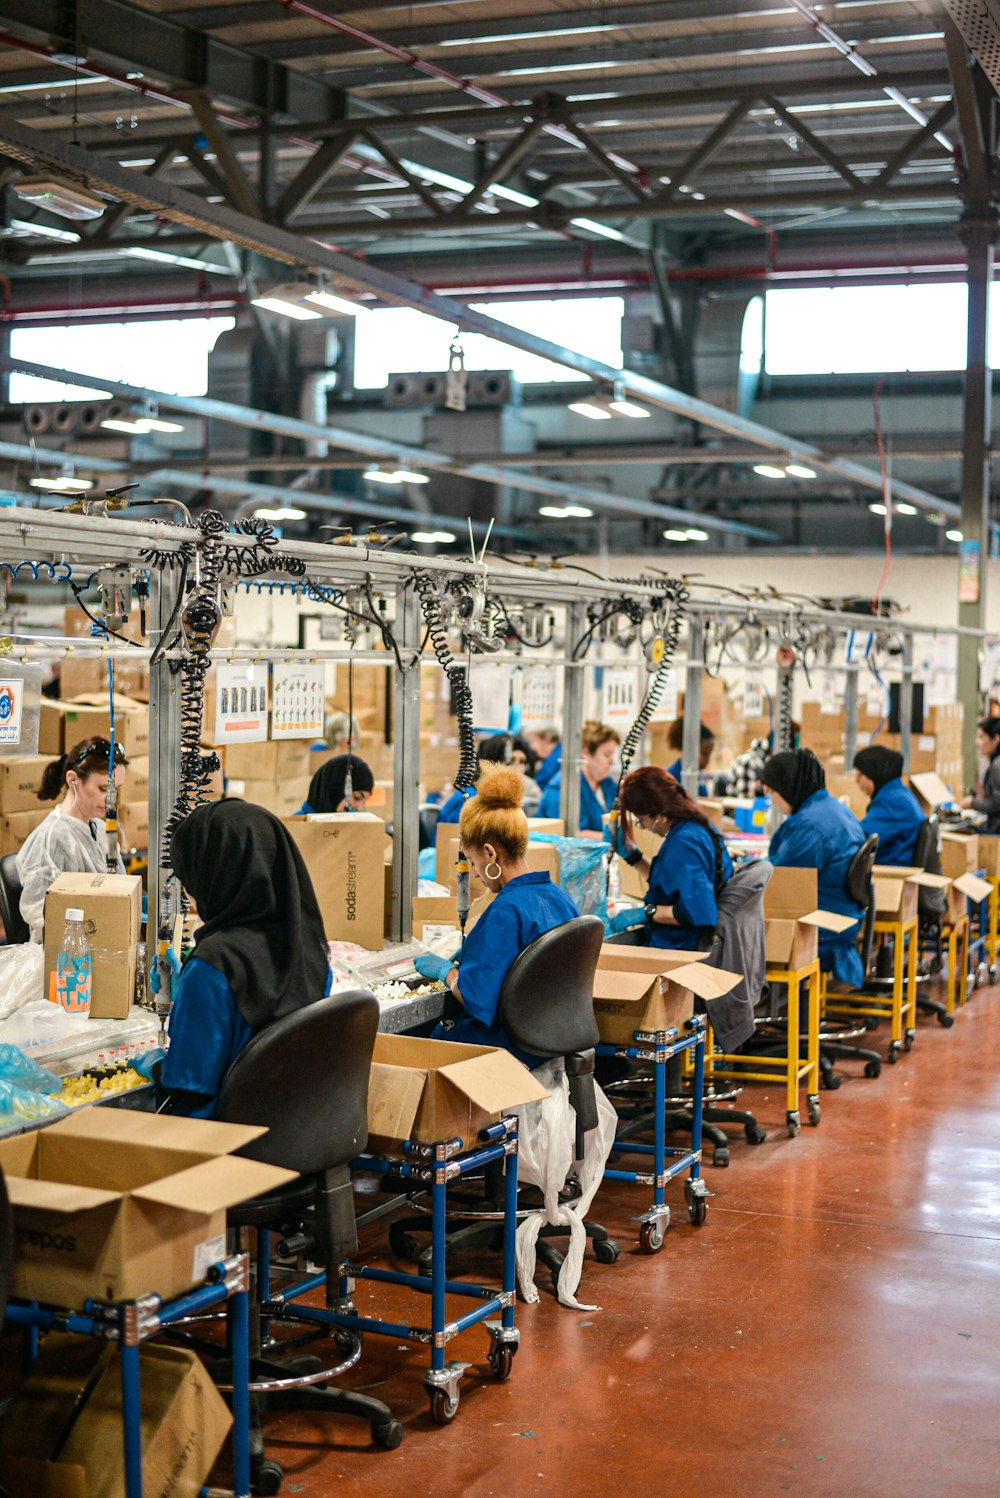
[{"x": 831, "y": 1331}]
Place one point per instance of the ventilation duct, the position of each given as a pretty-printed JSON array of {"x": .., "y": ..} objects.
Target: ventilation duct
[{"x": 979, "y": 23}]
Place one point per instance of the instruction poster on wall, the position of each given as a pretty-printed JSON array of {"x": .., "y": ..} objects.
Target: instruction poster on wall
[
  {"x": 753, "y": 695},
  {"x": 297, "y": 702},
  {"x": 11, "y": 704},
  {"x": 490, "y": 688},
  {"x": 241, "y": 703},
  {"x": 618, "y": 695},
  {"x": 538, "y": 699}
]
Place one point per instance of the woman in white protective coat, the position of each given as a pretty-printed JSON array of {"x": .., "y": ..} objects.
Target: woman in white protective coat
[{"x": 72, "y": 839}]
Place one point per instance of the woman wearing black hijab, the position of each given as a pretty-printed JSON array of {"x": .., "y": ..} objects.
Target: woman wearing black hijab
[
  {"x": 819, "y": 834},
  {"x": 328, "y": 789},
  {"x": 894, "y": 812},
  {"x": 259, "y": 954}
]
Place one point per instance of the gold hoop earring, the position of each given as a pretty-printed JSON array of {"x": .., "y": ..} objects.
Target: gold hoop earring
[{"x": 493, "y": 870}]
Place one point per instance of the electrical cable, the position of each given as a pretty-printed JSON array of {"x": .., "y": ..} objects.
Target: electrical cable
[
  {"x": 430, "y": 605},
  {"x": 783, "y": 731},
  {"x": 676, "y": 596},
  {"x": 105, "y": 629}
]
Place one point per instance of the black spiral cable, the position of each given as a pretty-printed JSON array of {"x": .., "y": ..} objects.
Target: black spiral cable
[
  {"x": 783, "y": 734},
  {"x": 430, "y": 606},
  {"x": 676, "y": 595}
]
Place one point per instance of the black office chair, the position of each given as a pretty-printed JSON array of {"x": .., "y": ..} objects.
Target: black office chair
[
  {"x": 833, "y": 1043},
  {"x": 306, "y": 1078},
  {"x": 547, "y": 1009},
  {"x": 428, "y": 814},
  {"x": 15, "y": 926}
]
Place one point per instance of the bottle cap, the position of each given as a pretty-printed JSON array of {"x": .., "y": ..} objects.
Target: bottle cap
[{"x": 74, "y": 915}]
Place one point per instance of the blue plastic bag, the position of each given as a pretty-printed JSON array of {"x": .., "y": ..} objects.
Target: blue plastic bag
[
  {"x": 21, "y": 1105},
  {"x": 583, "y": 870},
  {"x": 20, "y": 1071}
]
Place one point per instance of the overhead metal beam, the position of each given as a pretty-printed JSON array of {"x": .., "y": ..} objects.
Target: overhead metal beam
[
  {"x": 816, "y": 145},
  {"x": 238, "y": 189},
  {"x": 39, "y": 149},
  {"x": 136, "y": 38},
  {"x": 707, "y": 149},
  {"x": 310, "y": 178},
  {"x": 910, "y": 148}
]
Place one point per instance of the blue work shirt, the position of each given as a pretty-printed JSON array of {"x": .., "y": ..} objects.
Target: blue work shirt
[
  {"x": 207, "y": 1033},
  {"x": 525, "y": 908},
  {"x": 549, "y": 767},
  {"x": 683, "y": 875},
  {"x": 894, "y": 813},
  {"x": 592, "y": 810},
  {"x": 452, "y": 808},
  {"x": 825, "y": 836},
  {"x": 675, "y": 770}
]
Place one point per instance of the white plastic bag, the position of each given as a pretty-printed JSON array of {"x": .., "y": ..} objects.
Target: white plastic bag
[
  {"x": 22, "y": 976},
  {"x": 546, "y": 1153}
]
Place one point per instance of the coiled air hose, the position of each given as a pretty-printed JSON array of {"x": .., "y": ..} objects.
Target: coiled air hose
[{"x": 430, "y": 606}]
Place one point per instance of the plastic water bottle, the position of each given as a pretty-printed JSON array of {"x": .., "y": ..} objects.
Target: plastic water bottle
[{"x": 74, "y": 968}]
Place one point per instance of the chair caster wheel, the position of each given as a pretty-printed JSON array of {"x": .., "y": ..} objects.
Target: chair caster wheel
[
  {"x": 443, "y": 1408},
  {"x": 815, "y": 1112},
  {"x": 946, "y": 1020},
  {"x": 501, "y": 1361},
  {"x": 606, "y": 1251},
  {"x": 651, "y": 1236},
  {"x": 266, "y": 1478},
  {"x": 794, "y": 1124},
  {"x": 873, "y": 1068},
  {"x": 720, "y": 1156},
  {"x": 893, "y": 1052},
  {"x": 830, "y": 1081},
  {"x": 387, "y": 1436},
  {"x": 403, "y": 1245},
  {"x": 755, "y": 1134},
  {"x": 994, "y": 972},
  {"x": 697, "y": 1210},
  {"x": 908, "y": 1040}
]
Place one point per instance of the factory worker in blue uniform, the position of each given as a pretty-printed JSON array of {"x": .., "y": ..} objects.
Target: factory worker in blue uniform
[
  {"x": 546, "y": 746},
  {"x": 598, "y": 786},
  {"x": 344, "y": 783},
  {"x": 689, "y": 870},
  {"x": 820, "y": 834},
  {"x": 498, "y": 750},
  {"x": 259, "y": 954},
  {"x": 706, "y": 748},
  {"x": 894, "y": 812},
  {"x": 494, "y": 832}
]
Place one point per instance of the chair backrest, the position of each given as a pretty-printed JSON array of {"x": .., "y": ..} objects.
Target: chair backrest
[
  {"x": 931, "y": 903},
  {"x": 14, "y": 923},
  {"x": 860, "y": 887},
  {"x": 306, "y": 1078},
  {"x": 547, "y": 999}
]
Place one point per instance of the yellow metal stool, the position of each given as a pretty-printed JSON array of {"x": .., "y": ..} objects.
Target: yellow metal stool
[
  {"x": 955, "y": 936},
  {"x": 899, "y": 1005},
  {"x": 790, "y": 1068}
]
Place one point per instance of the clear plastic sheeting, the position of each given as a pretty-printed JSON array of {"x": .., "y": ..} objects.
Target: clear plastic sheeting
[
  {"x": 21, "y": 1071},
  {"x": 17, "y": 1105},
  {"x": 582, "y": 871},
  {"x": 22, "y": 977},
  {"x": 546, "y": 1157}
]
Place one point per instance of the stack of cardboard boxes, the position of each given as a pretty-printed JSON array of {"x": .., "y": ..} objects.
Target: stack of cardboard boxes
[
  {"x": 938, "y": 747},
  {"x": 20, "y": 809},
  {"x": 274, "y": 774}
]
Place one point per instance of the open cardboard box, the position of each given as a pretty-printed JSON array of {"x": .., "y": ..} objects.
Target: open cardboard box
[
  {"x": 966, "y": 887},
  {"x": 930, "y": 790},
  {"x": 897, "y": 890},
  {"x": 793, "y": 921},
  {"x": 116, "y": 1204},
  {"x": 650, "y": 989},
  {"x": 430, "y": 1090},
  {"x": 989, "y": 854},
  {"x": 959, "y": 854},
  {"x": 63, "y": 1435}
]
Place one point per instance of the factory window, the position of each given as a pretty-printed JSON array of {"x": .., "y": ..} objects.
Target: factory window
[
  {"x": 870, "y": 329},
  {"x": 399, "y": 340},
  {"x": 171, "y": 356}
]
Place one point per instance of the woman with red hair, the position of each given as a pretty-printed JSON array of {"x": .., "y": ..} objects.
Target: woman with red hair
[{"x": 691, "y": 866}]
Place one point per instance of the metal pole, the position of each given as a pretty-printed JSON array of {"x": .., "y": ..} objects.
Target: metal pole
[
  {"x": 165, "y": 766},
  {"x": 575, "y": 678},
  {"x": 906, "y": 701},
  {"x": 850, "y": 718},
  {"x": 978, "y": 230},
  {"x": 691, "y": 744},
  {"x": 406, "y": 758}
]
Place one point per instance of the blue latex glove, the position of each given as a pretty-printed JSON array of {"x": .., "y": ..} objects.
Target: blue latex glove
[
  {"x": 615, "y": 838},
  {"x": 623, "y": 919},
  {"x": 148, "y": 1064},
  {"x": 435, "y": 968}
]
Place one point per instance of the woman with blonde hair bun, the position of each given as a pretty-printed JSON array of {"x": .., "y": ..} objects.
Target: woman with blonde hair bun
[{"x": 494, "y": 832}]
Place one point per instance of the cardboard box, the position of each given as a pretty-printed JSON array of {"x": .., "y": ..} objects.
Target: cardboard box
[
  {"x": 959, "y": 854},
  {"x": 381, "y": 802},
  {"x": 552, "y": 825},
  {"x": 897, "y": 890},
  {"x": 63, "y": 1436},
  {"x": 112, "y": 920},
  {"x": 930, "y": 790},
  {"x": 540, "y": 857},
  {"x": 713, "y": 810},
  {"x": 14, "y": 830},
  {"x": 135, "y": 786},
  {"x": 133, "y": 825},
  {"x": 113, "y": 1203},
  {"x": 989, "y": 854},
  {"x": 966, "y": 887},
  {"x": 283, "y": 798},
  {"x": 792, "y": 921},
  {"x": 276, "y": 759},
  {"x": 430, "y": 1090},
  {"x": 20, "y": 777},
  {"x": 434, "y": 916},
  {"x": 633, "y": 883},
  {"x": 90, "y": 715},
  {"x": 651, "y": 989},
  {"x": 345, "y": 855}
]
